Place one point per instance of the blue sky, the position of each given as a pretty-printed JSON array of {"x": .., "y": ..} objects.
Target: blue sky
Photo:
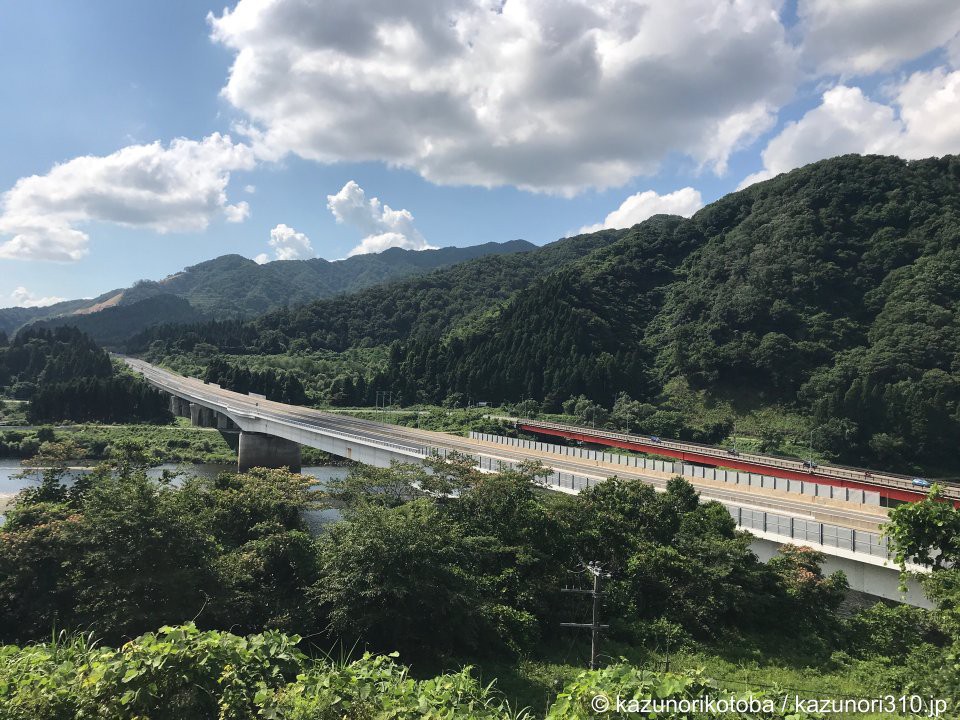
[{"x": 532, "y": 122}]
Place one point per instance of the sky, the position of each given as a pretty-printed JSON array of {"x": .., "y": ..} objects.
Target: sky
[{"x": 138, "y": 138}]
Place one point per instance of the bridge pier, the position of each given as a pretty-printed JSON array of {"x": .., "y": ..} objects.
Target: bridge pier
[
  {"x": 269, "y": 451},
  {"x": 201, "y": 416},
  {"x": 179, "y": 407}
]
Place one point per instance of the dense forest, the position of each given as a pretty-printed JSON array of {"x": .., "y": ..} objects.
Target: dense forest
[
  {"x": 445, "y": 567},
  {"x": 458, "y": 296},
  {"x": 66, "y": 376},
  {"x": 276, "y": 385},
  {"x": 829, "y": 291}
]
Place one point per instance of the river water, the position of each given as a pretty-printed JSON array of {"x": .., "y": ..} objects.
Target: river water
[{"x": 11, "y": 483}]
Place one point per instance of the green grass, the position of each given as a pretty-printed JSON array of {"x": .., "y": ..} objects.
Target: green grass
[
  {"x": 432, "y": 417},
  {"x": 13, "y": 412}
]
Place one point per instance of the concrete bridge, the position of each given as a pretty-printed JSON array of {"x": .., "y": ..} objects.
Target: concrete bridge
[{"x": 271, "y": 434}]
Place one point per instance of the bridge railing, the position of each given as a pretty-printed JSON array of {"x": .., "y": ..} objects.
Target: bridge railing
[
  {"x": 159, "y": 380},
  {"x": 419, "y": 450},
  {"x": 802, "y": 530},
  {"x": 899, "y": 482}
]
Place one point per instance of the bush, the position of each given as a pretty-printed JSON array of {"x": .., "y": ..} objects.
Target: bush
[
  {"x": 181, "y": 673},
  {"x": 891, "y": 632}
]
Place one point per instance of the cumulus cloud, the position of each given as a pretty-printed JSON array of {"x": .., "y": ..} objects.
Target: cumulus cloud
[
  {"x": 637, "y": 208},
  {"x": 288, "y": 244},
  {"x": 859, "y": 37},
  {"x": 237, "y": 213},
  {"x": 920, "y": 121},
  {"x": 553, "y": 96},
  {"x": 383, "y": 226},
  {"x": 21, "y": 297},
  {"x": 178, "y": 187}
]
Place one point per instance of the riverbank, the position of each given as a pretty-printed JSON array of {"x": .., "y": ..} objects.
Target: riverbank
[{"x": 177, "y": 443}]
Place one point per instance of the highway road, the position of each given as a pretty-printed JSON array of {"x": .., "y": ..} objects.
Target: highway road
[{"x": 419, "y": 442}]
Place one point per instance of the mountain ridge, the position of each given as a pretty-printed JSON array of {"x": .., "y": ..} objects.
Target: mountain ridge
[{"x": 232, "y": 285}]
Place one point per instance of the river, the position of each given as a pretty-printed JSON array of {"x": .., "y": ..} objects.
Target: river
[{"x": 11, "y": 483}]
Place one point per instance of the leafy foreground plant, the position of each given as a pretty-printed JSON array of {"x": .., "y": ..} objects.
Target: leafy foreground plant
[
  {"x": 184, "y": 674},
  {"x": 625, "y": 691}
]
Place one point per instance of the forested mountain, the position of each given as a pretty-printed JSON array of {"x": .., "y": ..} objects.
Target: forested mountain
[
  {"x": 831, "y": 290},
  {"x": 231, "y": 286},
  {"x": 66, "y": 376},
  {"x": 13, "y": 318},
  {"x": 113, "y": 326},
  {"x": 455, "y": 297}
]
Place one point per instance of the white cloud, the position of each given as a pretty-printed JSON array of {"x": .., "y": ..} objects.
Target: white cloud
[
  {"x": 859, "y": 37},
  {"x": 288, "y": 244},
  {"x": 249, "y": 189},
  {"x": 261, "y": 259},
  {"x": 637, "y": 208},
  {"x": 180, "y": 187},
  {"x": 919, "y": 122},
  {"x": 929, "y": 105},
  {"x": 384, "y": 227},
  {"x": 547, "y": 95},
  {"x": 21, "y": 297},
  {"x": 237, "y": 213}
]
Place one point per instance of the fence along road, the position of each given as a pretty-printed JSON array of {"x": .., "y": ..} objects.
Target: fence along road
[{"x": 841, "y": 529}]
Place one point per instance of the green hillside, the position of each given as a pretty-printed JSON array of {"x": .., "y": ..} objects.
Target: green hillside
[
  {"x": 827, "y": 293},
  {"x": 429, "y": 305},
  {"x": 232, "y": 286},
  {"x": 112, "y": 326}
]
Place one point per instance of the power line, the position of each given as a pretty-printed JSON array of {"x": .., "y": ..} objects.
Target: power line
[{"x": 594, "y": 626}]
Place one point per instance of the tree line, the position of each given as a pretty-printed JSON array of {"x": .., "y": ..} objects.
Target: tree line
[
  {"x": 65, "y": 375},
  {"x": 276, "y": 385}
]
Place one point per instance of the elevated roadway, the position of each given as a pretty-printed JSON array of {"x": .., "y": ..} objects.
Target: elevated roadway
[{"x": 271, "y": 433}]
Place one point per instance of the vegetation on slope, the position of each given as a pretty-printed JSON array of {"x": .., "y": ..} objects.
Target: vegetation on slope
[
  {"x": 828, "y": 293},
  {"x": 235, "y": 286},
  {"x": 112, "y": 326},
  {"x": 66, "y": 376},
  {"x": 429, "y": 304}
]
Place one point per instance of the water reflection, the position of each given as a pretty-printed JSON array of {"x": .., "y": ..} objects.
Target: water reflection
[{"x": 12, "y": 481}]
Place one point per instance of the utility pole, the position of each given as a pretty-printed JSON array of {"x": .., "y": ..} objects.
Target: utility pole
[
  {"x": 595, "y": 627},
  {"x": 381, "y": 403}
]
